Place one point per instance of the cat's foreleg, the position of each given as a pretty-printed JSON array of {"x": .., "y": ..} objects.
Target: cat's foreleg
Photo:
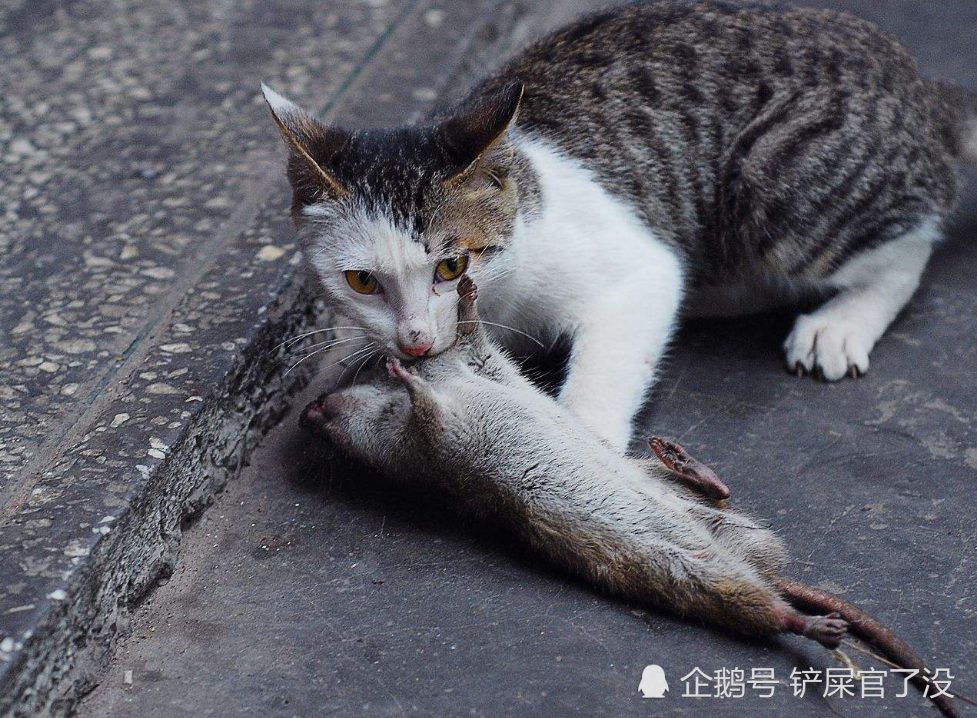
[
  {"x": 872, "y": 288},
  {"x": 616, "y": 350}
]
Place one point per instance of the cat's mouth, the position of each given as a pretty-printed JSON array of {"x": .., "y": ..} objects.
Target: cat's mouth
[{"x": 411, "y": 354}]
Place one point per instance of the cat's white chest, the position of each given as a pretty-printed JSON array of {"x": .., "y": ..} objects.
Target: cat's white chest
[{"x": 584, "y": 246}]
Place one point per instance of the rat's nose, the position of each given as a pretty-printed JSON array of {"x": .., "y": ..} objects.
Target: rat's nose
[
  {"x": 415, "y": 350},
  {"x": 317, "y": 414}
]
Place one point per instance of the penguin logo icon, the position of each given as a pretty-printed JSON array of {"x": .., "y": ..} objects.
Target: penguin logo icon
[{"x": 653, "y": 683}]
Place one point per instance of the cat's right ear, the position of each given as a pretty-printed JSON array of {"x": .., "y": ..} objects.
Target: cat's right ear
[
  {"x": 312, "y": 149},
  {"x": 476, "y": 138}
]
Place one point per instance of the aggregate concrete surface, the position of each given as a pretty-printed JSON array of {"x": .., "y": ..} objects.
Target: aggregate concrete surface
[
  {"x": 102, "y": 471},
  {"x": 148, "y": 275},
  {"x": 311, "y": 589}
]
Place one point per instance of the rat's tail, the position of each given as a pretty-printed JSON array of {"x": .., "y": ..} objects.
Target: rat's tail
[
  {"x": 956, "y": 110},
  {"x": 814, "y": 601}
]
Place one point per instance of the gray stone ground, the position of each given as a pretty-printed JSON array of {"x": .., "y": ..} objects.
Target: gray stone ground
[
  {"x": 143, "y": 214},
  {"x": 311, "y": 589},
  {"x": 148, "y": 278}
]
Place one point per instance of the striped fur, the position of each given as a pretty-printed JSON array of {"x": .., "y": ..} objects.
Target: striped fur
[
  {"x": 750, "y": 137},
  {"x": 645, "y": 161}
]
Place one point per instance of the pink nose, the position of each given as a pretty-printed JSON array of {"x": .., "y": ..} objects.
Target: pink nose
[{"x": 417, "y": 350}]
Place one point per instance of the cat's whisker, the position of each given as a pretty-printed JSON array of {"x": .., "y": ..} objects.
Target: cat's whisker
[
  {"x": 368, "y": 347},
  {"x": 297, "y": 337},
  {"x": 336, "y": 342},
  {"x": 363, "y": 363},
  {"x": 504, "y": 326},
  {"x": 319, "y": 351}
]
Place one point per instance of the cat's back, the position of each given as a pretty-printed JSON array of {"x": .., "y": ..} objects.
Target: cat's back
[
  {"x": 673, "y": 106},
  {"x": 671, "y": 54}
]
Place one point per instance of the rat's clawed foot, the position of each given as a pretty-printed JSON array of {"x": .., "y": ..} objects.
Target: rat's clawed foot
[
  {"x": 467, "y": 290},
  {"x": 408, "y": 375},
  {"x": 691, "y": 471},
  {"x": 422, "y": 396},
  {"x": 397, "y": 370},
  {"x": 826, "y": 630},
  {"x": 467, "y": 316}
]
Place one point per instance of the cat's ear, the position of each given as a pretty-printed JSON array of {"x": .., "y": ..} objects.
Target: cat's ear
[
  {"x": 312, "y": 148},
  {"x": 477, "y": 139}
]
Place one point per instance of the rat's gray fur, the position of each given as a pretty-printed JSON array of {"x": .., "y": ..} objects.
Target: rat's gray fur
[{"x": 471, "y": 424}]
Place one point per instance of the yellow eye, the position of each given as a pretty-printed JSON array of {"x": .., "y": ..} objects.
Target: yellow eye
[
  {"x": 362, "y": 281},
  {"x": 453, "y": 268}
]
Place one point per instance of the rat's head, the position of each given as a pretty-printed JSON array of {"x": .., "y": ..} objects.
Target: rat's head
[
  {"x": 366, "y": 420},
  {"x": 392, "y": 219},
  {"x": 383, "y": 424}
]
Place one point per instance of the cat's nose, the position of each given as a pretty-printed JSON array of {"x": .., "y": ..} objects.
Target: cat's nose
[{"x": 415, "y": 350}]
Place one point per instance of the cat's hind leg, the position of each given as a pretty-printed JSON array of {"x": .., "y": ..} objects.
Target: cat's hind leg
[{"x": 872, "y": 288}]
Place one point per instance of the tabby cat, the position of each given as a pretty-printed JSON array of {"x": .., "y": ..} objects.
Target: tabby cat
[{"x": 655, "y": 159}]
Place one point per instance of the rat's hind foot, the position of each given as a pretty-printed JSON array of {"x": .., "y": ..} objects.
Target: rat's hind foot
[
  {"x": 688, "y": 470},
  {"x": 826, "y": 630},
  {"x": 468, "y": 322}
]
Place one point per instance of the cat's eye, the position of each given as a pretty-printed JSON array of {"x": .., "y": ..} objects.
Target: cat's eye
[
  {"x": 452, "y": 268},
  {"x": 362, "y": 281}
]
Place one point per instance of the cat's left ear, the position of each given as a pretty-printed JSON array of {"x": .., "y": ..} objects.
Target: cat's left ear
[
  {"x": 477, "y": 139},
  {"x": 313, "y": 147}
]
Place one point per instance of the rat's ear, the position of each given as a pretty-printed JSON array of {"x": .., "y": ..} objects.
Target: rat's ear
[
  {"x": 312, "y": 148},
  {"x": 476, "y": 139}
]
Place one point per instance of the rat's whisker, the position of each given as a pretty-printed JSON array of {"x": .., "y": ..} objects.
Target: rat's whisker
[{"x": 504, "y": 326}]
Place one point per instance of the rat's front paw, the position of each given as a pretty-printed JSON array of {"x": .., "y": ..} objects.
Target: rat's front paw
[{"x": 397, "y": 370}]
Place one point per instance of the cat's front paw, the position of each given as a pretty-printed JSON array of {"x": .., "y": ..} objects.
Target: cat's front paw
[{"x": 827, "y": 347}]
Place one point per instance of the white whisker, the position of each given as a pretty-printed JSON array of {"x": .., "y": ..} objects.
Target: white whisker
[
  {"x": 319, "y": 351},
  {"x": 368, "y": 347},
  {"x": 336, "y": 342},
  {"x": 362, "y": 362},
  {"x": 292, "y": 340},
  {"x": 504, "y": 326}
]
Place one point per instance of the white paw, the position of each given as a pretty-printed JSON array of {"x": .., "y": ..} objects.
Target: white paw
[{"x": 828, "y": 346}]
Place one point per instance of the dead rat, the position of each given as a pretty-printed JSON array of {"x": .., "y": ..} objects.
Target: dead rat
[{"x": 655, "y": 531}]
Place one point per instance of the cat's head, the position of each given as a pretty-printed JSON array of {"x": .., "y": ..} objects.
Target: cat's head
[{"x": 391, "y": 219}]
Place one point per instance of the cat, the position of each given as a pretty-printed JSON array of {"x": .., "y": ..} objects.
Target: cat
[{"x": 646, "y": 162}]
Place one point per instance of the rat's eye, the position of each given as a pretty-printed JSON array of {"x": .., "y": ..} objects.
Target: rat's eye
[
  {"x": 362, "y": 281},
  {"x": 449, "y": 269}
]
